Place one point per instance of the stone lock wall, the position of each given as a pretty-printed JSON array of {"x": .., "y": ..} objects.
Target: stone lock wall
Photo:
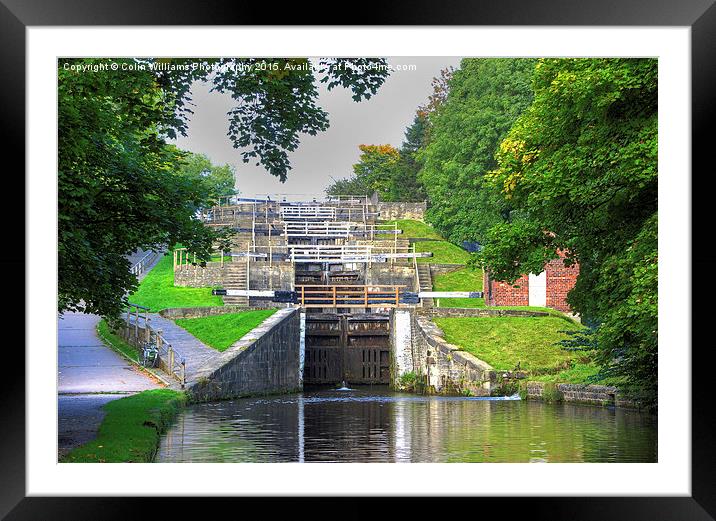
[
  {"x": 381, "y": 273},
  {"x": 274, "y": 276},
  {"x": 277, "y": 275},
  {"x": 201, "y": 277},
  {"x": 265, "y": 361},
  {"x": 442, "y": 368},
  {"x": 207, "y": 311},
  {"x": 401, "y": 210}
]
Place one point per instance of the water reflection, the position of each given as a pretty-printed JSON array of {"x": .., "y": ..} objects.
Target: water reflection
[{"x": 377, "y": 425}]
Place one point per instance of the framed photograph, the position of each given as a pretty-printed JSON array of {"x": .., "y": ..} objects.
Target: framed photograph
[{"x": 417, "y": 250}]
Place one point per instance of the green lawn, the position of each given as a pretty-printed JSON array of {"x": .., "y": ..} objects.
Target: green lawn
[
  {"x": 131, "y": 428},
  {"x": 221, "y": 331},
  {"x": 502, "y": 342},
  {"x": 464, "y": 279},
  {"x": 578, "y": 373},
  {"x": 157, "y": 290},
  {"x": 443, "y": 252},
  {"x": 416, "y": 229},
  {"x": 115, "y": 342}
]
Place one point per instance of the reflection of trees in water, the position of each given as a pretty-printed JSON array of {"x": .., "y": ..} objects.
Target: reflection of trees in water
[
  {"x": 256, "y": 431},
  {"x": 533, "y": 432},
  {"x": 348, "y": 431},
  {"x": 417, "y": 429}
]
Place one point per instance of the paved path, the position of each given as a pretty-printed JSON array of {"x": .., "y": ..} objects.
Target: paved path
[
  {"x": 139, "y": 255},
  {"x": 195, "y": 352},
  {"x": 89, "y": 375}
]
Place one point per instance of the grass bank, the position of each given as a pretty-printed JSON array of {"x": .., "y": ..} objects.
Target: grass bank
[
  {"x": 443, "y": 252},
  {"x": 464, "y": 279},
  {"x": 416, "y": 230},
  {"x": 157, "y": 290},
  {"x": 131, "y": 429},
  {"x": 115, "y": 342},
  {"x": 222, "y": 331},
  {"x": 503, "y": 342}
]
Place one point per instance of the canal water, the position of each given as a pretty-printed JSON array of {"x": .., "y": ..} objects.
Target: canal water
[{"x": 378, "y": 425}]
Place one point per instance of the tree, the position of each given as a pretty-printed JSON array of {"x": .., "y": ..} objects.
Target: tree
[
  {"x": 580, "y": 165},
  {"x": 486, "y": 95},
  {"x": 378, "y": 166},
  {"x": 376, "y": 171},
  {"x": 221, "y": 179},
  {"x": 390, "y": 172},
  {"x": 349, "y": 186},
  {"x": 121, "y": 187},
  {"x": 441, "y": 89},
  {"x": 407, "y": 186}
]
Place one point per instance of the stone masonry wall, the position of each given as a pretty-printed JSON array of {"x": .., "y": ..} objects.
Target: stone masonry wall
[
  {"x": 483, "y": 312},
  {"x": 401, "y": 210},
  {"x": 207, "y": 311},
  {"x": 444, "y": 368},
  {"x": 577, "y": 393},
  {"x": 442, "y": 269},
  {"x": 265, "y": 361},
  {"x": 274, "y": 276},
  {"x": 198, "y": 277},
  {"x": 381, "y": 273}
]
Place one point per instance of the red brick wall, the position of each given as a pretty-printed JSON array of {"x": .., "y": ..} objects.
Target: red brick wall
[
  {"x": 499, "y": 293},
  {"x": 560, "y": 280}
]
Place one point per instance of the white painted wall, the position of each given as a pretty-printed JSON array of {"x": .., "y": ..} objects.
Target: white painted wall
[
  {"x": 402, "y": 337},
  {"x": 302, "y": 348},
  {"x": 538, "y": 289}
]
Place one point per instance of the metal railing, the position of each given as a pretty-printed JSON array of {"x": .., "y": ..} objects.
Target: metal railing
[
  {"x": 341, "y": 253},
  {"x": 141, "y": 266},
  {"x": 316, "y": 229},
  {"x": 417, "y": 276},
  {"x": 349, "y": 199},
  {"x": 347, "y": 296},
  {"x": 170, "y": 360},
  {"x": 311, "y": 212}
]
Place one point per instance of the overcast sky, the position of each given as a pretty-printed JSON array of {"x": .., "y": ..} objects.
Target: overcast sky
[{"x": 380, "y": 120}]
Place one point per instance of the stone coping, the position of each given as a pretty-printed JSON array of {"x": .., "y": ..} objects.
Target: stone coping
[
  {"x": 205, "y": 311},
  {"x": 482, "y": 312},
  {"x": 242, "y": 345}
]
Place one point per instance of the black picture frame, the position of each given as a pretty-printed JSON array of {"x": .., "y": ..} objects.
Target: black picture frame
[{"x": 699, "y": 15}]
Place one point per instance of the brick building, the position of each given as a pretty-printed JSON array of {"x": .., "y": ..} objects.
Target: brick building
[{"x": 547, "y": 289}]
